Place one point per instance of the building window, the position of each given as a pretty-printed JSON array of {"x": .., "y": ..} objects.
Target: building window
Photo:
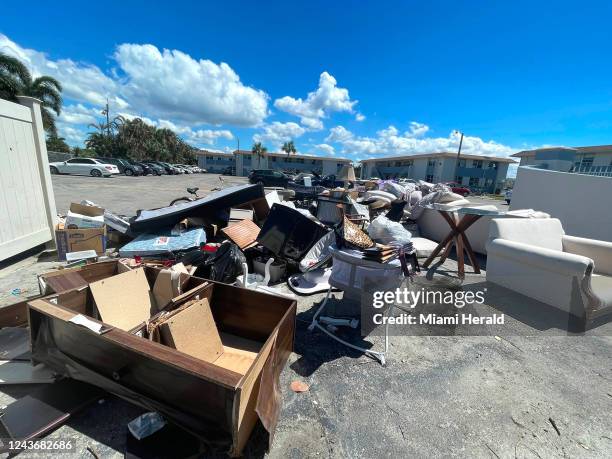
[
  {"x": 431, "y": 163},
  {"x": 247, "y": 157},
  {"x": 474, "y": 181},
  {"x": 462, "y": 163},
  {"x": 273, "y": 159},
  {"x": 300, "y": 160},
  {"x": 477, "y": 163},
  {"x": 492, "y": 165},
  {"x": 313, "y": 162},
  {"x": 429, "y": 178},
  {"x": 587, "y": 162},
  {"x": 459, "y": 179}
]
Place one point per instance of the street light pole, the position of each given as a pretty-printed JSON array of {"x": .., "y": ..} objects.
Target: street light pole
[{"x": 458, "y": 155}]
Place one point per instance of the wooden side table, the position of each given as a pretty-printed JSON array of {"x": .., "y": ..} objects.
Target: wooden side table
[{"x": 457, "y": 236}]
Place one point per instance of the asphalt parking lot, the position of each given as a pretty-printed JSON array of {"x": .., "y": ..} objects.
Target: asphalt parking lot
[
  {"x": 124, "y": 195},
  {"x": 492, "y": 396}
]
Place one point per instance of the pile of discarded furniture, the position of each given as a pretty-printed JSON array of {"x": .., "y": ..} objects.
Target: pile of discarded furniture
[{"x": 188, "y": 315}]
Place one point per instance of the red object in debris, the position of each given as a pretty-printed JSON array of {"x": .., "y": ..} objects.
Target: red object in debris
[
  {"x": 138, "y": 259},
  {"x": 209, "y": 248},
  {"x": 299, "y": 386}
]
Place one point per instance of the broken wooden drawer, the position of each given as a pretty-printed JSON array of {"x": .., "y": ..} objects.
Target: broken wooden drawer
[{"x": 219, "y": 396}]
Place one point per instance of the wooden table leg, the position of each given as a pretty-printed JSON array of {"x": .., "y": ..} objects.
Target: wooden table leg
[
  {"x": 447, "y": 250},
  {"x": 436, "y": 251},
  {"x": 460, "y": 256}
]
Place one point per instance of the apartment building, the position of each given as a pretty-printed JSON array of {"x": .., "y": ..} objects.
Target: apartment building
[
  {"x": 215, "y": 162},
  {"x": 596, "y": 160},
  {"x": 243, "y": 161},
  {"x": 479, "y": 172}
]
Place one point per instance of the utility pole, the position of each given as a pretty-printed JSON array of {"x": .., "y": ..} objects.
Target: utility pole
[
  {"x": 458, "y": 155},
  {"x": 106, "y": 112}
]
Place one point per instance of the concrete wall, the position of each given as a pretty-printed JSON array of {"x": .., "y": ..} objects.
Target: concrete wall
[
  {"x": 57, "y": 156},
  {"x": 581, "y": 202}
]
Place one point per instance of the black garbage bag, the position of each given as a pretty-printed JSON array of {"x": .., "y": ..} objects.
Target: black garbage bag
[{"x": 224, "y": 266}]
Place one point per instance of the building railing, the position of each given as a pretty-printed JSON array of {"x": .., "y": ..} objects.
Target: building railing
[{"x": 600, "y": 171}]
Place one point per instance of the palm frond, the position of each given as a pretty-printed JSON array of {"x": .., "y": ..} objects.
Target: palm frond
[{"x": 13, "y": 66}]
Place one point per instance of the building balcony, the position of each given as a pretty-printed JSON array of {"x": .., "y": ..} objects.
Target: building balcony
[{"x": 600, "y": 171}]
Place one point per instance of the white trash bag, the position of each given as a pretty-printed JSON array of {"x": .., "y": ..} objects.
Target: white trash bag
[{"x": 385, "y": 231}]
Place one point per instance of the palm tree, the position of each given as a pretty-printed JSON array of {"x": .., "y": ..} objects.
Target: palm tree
[
  {"x": 259, "y": 150},
  {"x": 289, "y": 148},
  {"x": 16, "y": 80}
]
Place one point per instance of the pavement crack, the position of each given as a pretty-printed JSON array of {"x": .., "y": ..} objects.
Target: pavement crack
[
  {"x": 554, "y": 424},
  {"x": 491, "y": 449}
]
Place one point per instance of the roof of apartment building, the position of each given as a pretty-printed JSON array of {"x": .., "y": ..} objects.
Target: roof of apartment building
[
  {"x": 215, "y": 153},
  {"x": 443, "y": 154},
  {"x": 297, "y": 155},
  {"x": 597, "y": 149}
]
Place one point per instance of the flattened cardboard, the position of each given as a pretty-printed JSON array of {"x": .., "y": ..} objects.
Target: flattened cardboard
[
  {"x": 167, "y": 286},
  {"x": 125, "y": 300},
  {"x": 194, "y": 332}
]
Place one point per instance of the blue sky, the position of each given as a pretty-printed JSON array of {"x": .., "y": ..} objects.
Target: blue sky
[{"x": 352, "y": 79}]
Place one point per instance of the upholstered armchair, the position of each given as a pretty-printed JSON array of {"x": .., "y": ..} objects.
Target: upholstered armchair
[{"x": 536, "y": 258}]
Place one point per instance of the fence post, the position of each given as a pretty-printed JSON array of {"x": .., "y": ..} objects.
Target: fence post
[{"x": 42, "y": 162}]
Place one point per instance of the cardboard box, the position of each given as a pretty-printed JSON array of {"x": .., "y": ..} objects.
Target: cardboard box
[
  {"x": 219, "y": 401},
  {"x": 83, "y": 217},
  {"x": 76, "y": 240}
]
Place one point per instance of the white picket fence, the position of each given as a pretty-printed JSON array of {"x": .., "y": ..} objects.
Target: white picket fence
[{"x": 27, "y": 205}]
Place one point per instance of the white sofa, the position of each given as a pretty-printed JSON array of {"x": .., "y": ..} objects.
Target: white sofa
[{"x": 536, "y": 258}]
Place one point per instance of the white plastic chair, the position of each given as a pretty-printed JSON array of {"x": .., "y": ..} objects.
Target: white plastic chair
[{"x": 349, "y": 272}]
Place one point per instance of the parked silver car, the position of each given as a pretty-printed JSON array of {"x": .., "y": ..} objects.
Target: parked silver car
[{"x": 84, "y": 166}]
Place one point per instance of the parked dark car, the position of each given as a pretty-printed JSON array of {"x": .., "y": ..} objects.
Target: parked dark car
[
  {"x": 458, "y": 188},
  {"x": 146, "y": 169},
  {"x": 125, "y": 167},
  {"x": 328, "y": 181},
  {"x": 268, "y": 177},
  {"x": 156, "y": 169},
  {"x": 169, "y": 168}
]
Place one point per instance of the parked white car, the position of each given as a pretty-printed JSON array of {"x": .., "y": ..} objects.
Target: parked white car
[{"x": 84, "y": 166}]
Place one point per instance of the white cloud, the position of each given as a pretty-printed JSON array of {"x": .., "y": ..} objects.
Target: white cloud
[
  {"x": 73, "y": 135},
  {"x": 360, "y": 117},
  {"x": 79, "y": 114},
  {"x": 210, "y": 137},
  {"x": 327, "y": 98},
  {"x": 193, "y": 136},
  {"x": 80, "y": 82},
  {"x": 159, "y": 84},
  {"x": 389, "y": 142},
  {"x": 276, "y": 133},
  {"x": 327, "y": 149},
  {"x": 172, "y": 84},
  {"x": 417, "y": 129},
  {"x": 339, "y": 134}
]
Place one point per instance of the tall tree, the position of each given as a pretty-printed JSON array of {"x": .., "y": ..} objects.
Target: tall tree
[
  {"x": 259, "y": 150},
  {"x": 289, "y": 148},
  {"x": 55, "y": 143},
  {"x": 16, "y": 80}
]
